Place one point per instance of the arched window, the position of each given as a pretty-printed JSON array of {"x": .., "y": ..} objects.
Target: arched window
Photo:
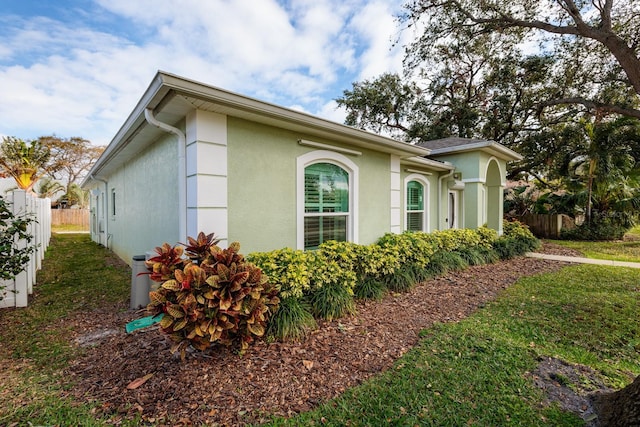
[
  {"x": 326, "y": 204},
  {"x": 416, "y": 203},
  {"x": 327, "y": 195},
  {"x": 415, "y": 206}
]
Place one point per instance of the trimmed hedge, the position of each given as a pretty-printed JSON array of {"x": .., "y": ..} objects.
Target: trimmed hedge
[{"x": 325, "y": 282}]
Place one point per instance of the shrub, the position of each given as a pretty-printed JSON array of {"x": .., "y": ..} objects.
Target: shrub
[
  {"x": 488, "y": 254},
  {"x": 334, "y": 263},
  {"x": 212, "y": 295},
  {"x": 370, "y": 287},
  {"x": 456, "y": 238},
  {"x": 505, "y": 248},
  {"x": 596, "y": 231},
  {"x": 471, "y": 255},
  {"x": 409, "y": 248},
  {"x": 487, "y": 236},
  {"x": 287, "y": 269},
  {"x": 518, "y": 237},
  {"x": 332, "y": 301},
  {"x": 443, "y": 262},
  {"x": 12, "y": 259},
  {"x": 292, "y": 321},
  {"x": 374, "y": 261},
  {"x": 402, "y": 280}
]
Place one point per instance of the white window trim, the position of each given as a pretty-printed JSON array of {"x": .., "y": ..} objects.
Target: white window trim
[
  {"x": 326, "y": 156},
  {"x": 422, "y": 179}
]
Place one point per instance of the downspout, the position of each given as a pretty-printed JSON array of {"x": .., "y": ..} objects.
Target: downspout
[
  {"x": 182, "y": 170},
  {"x": 440, "y": 179},
  {"x": 106, "y": 209}
]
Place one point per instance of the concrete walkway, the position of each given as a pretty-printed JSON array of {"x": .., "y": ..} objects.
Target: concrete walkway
[{"x": 583, "y": 260}]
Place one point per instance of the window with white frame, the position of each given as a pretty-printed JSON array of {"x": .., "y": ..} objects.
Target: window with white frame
[
  {"x": 326, "y": 204},
  {"x": 416, "y": 203},
  {"x": 327, "y": 194},
  {"x": 415, "y": 206}
]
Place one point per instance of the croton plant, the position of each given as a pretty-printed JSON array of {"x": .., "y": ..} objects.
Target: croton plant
[{"x": 209, "y": 295}]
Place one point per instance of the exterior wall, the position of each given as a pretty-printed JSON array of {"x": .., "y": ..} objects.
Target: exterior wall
[
  {"x": 262, "y": 193},
  {"x": 146, "y": 193}
]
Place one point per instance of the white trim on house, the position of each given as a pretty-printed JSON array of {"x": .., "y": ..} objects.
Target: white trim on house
[
  {"x": 396, "y": 196},
  {"x": 326, "y": 156},
  {"x": 474, "y": 145},
  {"x": 503, "y": 173},
  {"x": 207, "y": 182},
  {"x": 418, "y": 171},
  {"x": 426, "y": 197},
  {"x": 474, "y": 181},
  {"x": 483, "y": 205}
]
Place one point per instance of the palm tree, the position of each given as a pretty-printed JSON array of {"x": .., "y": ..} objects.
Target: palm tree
[
  {"x": 604, "y": 165},
  {"x": 49, "y": 188},
  {"x": 26, "y": 162},
  {"x": 76, "y": 196}
]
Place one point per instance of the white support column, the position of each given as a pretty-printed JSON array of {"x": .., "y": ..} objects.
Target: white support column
[
  {"x": 207, "y": 202},
  {"x": 396, "y": 196}
]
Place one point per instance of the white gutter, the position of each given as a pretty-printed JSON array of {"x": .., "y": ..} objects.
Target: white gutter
[
  {"x": 106, "y": 209},
  {"x": 440, "y": 195},
  {"x": 182, "y": 170}
]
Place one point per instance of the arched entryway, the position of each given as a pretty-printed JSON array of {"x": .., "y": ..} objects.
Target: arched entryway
[{"x": 494, "y": 195}]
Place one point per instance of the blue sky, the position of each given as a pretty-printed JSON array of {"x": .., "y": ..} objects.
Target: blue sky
[{"x": 78, "y": 67}]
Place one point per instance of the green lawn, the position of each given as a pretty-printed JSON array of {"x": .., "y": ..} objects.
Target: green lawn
[
  {"x": 470, "y": 373},
  {"x": 628, "y": 250},
  {"x": 77, "y": 275},
  {"x": 474, "y": 372}
]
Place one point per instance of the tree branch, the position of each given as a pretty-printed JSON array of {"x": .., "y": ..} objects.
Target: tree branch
[{"x": 592, "y": 105}]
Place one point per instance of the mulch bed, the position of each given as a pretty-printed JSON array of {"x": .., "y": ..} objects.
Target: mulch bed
[{"x": 270, "y": 378}]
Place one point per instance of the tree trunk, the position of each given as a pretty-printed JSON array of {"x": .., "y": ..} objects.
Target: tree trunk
[{"x": 620, "y": 408}]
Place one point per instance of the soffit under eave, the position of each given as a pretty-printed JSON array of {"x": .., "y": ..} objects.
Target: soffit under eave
[
  {"x": 504, "y": 154},
  {"x": 426, "y": 164},
  {"x": 345, "y": 135},
  {"x": 172, "y": 98}
]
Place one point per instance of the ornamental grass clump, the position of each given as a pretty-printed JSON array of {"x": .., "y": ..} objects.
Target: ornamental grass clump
[
  {"x": 292, "y": 321},
  {"x": 209, "y": 296}
]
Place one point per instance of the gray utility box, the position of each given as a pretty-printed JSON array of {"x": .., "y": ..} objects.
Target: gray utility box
[{"x": 140, "y": 283}]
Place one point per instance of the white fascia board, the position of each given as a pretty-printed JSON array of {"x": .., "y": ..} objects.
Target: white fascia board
[
  {"x": 241, "y": 103},
  {"x": 163, "y": 84},
  {"x": 496, "y": 148},
  {"x": 431, "y": 164}
]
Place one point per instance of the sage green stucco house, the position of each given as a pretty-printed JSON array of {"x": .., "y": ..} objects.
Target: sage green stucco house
[{"x": 192, "y": 157}]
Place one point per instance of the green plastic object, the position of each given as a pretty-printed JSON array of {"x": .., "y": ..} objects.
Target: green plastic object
[{"x": 141, "y": 323}]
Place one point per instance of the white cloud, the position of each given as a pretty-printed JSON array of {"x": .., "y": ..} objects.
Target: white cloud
[{"x": 84, "y": 79}]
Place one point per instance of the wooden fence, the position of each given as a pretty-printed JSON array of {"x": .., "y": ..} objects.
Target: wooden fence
[
  {"x": 16, "y": 292},
  {"x": 70, "y": 217},
  {"x": 547, "y": 226}
]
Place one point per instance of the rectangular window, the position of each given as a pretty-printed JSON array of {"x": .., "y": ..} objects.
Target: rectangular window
[{"x": 113, "y": 202}]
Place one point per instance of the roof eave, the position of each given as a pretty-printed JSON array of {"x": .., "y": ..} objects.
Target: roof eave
[
  {"x": 428, "y": 163},
  {"x": 490, "y": 146},
  {"x": 163, "y": 84}
]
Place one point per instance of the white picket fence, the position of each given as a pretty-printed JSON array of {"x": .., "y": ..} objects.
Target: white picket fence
[{"x": 17, "y": 291}]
